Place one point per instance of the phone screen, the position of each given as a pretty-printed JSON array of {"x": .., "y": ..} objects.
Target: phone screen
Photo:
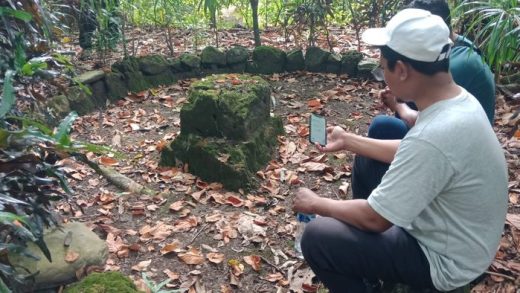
[{"x": 318, "y": 130}]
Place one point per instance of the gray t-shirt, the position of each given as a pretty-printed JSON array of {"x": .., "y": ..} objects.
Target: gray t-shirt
[{"x": 447, "y": 187}]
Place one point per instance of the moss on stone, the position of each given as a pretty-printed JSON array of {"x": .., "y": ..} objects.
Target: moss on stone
[
  {"x": 108, "y": 282},
  {"x": 190, "y": 61},
  {"x": 79, "y": 101},
  {"x": 212, "y": 56},
  {"x": 116, "y": 86},
  {"x": 153, "y": 64},
  {"x": 295, "y": 60},
  {"x": 59, "y": 105},
  {"x": 134, "y": 78},
  {"x": 315, "y": 59},
  {"x": 227, "y": 133},
  {"x": 268, "y": 60},
  {"x": 236, "y": 55},
  {"x": 232, "y": 163},
  {"x": 221, "y": 106},
  {"x": 350, "y": 61}
]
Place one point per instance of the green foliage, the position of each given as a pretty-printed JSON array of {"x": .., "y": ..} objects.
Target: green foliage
[
  {"x": 495, "y": 26},
  {"x": 312, "y": 14}
]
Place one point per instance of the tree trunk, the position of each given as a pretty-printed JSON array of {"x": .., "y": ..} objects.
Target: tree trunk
[{"x": 256, "y": 28}]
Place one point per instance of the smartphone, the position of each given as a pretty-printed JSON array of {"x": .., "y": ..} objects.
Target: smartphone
[{"x": 317, "y": 129}]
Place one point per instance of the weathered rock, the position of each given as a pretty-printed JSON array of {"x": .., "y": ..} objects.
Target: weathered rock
[
  {"x": 333, "y": 64},
  {"x": 90, "y": 76},
  {"x": 365, "y": 68},
  {"x": 176, "y": 66},
  {"x": 116, "y": 86},
  {"x": 165, "y": 78},
  {"x": 134, "y": 78},
  {"x": 230, "y": 162},
  {"x": 295, "y": 60},
  {"x": 268, "y": 60},
  {"x": 80, "y": 101},
  {"x": 153, "y": 64},
  {"x": 315, "y": 59},
  {"x": 190, "y": 61},
  {"x": 223, "y": 107},
  {"x": 99, "y": 93},
  {"x": 350, "y": 61},
  {"x": 107, "y": 282},
  {"x": 90, "y": 250},
  {"x": 227, "y": 133},
  {"x": 236, "y": 55},
  {"x": 212, "y": 57},
  {"x": 237, "y": 67},
  {"x": 59, "y": 105}
]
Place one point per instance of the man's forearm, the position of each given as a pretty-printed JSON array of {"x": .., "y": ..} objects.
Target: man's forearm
[
  {"x": 407, "y": 114},
  {"x": 357, "y": 213},
  {"x": 383, "y": 150}
]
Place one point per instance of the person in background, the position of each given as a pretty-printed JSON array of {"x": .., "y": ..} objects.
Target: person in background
[
  {"x": 468, "y": 70},
  {"x": 436, "y": 218}
]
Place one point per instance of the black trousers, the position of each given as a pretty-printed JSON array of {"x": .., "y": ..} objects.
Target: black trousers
[{"x": 345, "y": 258}]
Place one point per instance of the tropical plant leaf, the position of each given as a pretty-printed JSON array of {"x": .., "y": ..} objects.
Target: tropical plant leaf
[
  {"x": 3, "y": 287},
  {"x": 8, "y": 97},
  {"x": 18, "y": 14},
  {"x": 62, "y": 135}
]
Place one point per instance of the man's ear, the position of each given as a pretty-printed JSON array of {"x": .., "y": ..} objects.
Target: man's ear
[{"x": 402, "y": 70}]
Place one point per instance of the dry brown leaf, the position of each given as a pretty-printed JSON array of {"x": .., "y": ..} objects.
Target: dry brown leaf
[
  {"x": 215, "y": 257},
  {"x": 177, "y": 206},
  {"x": 142, "y": 266},
  {"x": 192, "y": 257},
  {"x": 171, "y": 275},
  {"x": 71, "y": 256},
  {"x": 254, "y": 261},
  {"x": 107, "y": 161},
  {"x": 224, "y": 288},
  {"x": 274, "y": 277},
  {"x": 234, "y": 201},
  {"x": 184, "y": 225},
  {"x": 315, "y": 167},
  {"x": 170, "y": 247}
]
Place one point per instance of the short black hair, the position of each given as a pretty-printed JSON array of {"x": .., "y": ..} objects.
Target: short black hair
[
  {"x": 427, "y": 68},
  {"x": 436, "y": 7}
]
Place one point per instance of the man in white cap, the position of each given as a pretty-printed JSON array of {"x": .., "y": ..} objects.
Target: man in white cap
[{"x": 436, "y": 219}]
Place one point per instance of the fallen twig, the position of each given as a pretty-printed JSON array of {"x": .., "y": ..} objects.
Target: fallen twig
[
  {"x": 501, "y": 275},
  {"x": 116, "y": 178}
]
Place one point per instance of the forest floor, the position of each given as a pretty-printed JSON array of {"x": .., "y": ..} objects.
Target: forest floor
[{"x": 205, "y": 238}]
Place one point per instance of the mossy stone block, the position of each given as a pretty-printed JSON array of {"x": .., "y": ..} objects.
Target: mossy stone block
[
  {"x": 212, "y": 57},
  {"x": 99, "y": 93},
  {"x": 107, "y": 282},
  {"x": 230, "y": 162},
  {"x": 229, "y": 106},
  {"x": 59, "y": 105},
  {"x": 79, "y": 101},
  {"x": 116, "y": 86},
  {"x": 134, "y": 78},
  {"x": 333, "y": 64},
  {"x": 295, "y": 60},
  {"x": 315, "y": 59},
  {"x": 269, "y": 60},
  {"x": 350, "y": 61},
  {"x": 90, "y": 76},
  {"x": 236, "y": 55},
  {"x": 190, "y": 61},
  {"x": 153, "y": 64},
  {"x": 365, "y": 68}
]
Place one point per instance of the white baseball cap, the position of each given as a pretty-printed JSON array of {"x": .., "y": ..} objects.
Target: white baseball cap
[{"x": 413, "y": 33}]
